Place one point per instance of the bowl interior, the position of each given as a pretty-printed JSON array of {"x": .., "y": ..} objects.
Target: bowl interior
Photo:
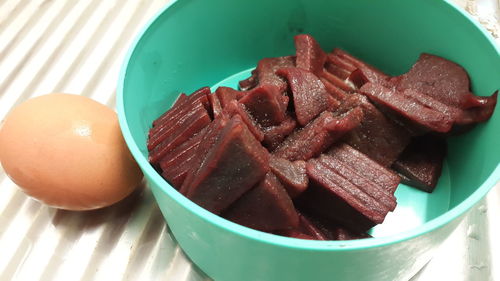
[{"x": 209, "y": 43}]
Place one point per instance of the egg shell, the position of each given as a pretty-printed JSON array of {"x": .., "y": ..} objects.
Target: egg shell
[{"x": 68, "y": 152}]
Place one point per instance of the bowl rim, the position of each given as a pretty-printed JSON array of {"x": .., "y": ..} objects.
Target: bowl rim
[{"x": 281, "y": 241}]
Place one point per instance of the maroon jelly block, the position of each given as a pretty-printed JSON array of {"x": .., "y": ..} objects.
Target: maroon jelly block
[
  {"x": 266, "y": 71},
  {"x": 176, "y": 175},
  {"x": 160, "y": 132},
  {"x": 358, "y": 78},
  {"x": 274, "y": 135},
  {"x": 171, "y": 140},
  {"x": 178, "y": 113},
  {"x": 308, "y": 226},
  {"x": 236, "y": 108},
  {"x": 180, "y": 110},
  {"x": 365, "y": 166},
  {"x": 432, "y": 103},
  {"x": 349, "y": 102},
  {"x": 373, "y": 74},
  {"x": 324, "y": 229},
  {"x": 291, "y": 174},
  {"x": 310, "y": 97},
  {"x": 309, "y": 54},
  {"x": 363, "y": 183},
  {"x": 449, "y": 83},
  {"x": 335, "y": 198},
  {"x": 215, "y": 106},
  {"x": 210, "y": 137},
  {"x": 377, "y": 136},
  {"x": 265, "y": 207},
  {"x": 266, "y": 104},
  {"x": 249, "y": 83},
  {"x": 232, "y": 166},
  {"x": 342, "y": 233},
  {"x": 226, "y": 95},
  {"x": 341, "y": 63},
  {"x": 336, "y": 92},
  {"x": 318, "y": 135},
  {"x": 409, "y": 107},
  {"x": 180, "y": 100},
  {"x": 439, "y": 78},
  {"x": 176, "y": 163},
  {"x": 342, "y": 84},
  {"x": 421, "y": 162},
  {"x": 337, "y": 71},
  {"x": 199, "y": 95},
  {"x": 305, "y": 230},
  {"x": 477, "y": 109},
  {"x": 173, "y": 157}
]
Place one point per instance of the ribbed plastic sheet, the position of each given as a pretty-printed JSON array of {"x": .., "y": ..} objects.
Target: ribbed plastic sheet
[{"x": 78, "y": 47}]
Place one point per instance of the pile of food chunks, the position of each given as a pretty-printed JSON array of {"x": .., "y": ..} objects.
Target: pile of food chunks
[{"x": 313, "y": 146}]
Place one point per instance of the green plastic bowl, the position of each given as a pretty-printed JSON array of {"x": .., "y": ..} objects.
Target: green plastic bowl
[{"x": 195, "y": 43}]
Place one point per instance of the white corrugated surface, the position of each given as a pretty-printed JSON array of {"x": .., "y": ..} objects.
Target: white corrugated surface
[{"x": 77, "y": 47}]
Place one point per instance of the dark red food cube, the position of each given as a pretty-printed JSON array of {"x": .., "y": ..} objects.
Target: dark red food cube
[
  {"x": 265, "y": 207},
  {"x": 318, "y": 135},
  {"x": 448, "y": 83},
  {"x": 336, "y": 81},
  {"x": 377, "y": 136},
  {"x": 180, "y": 100},
  {"x": 291, "y": 174},
  {"x": 373, "y": 74},
  {"x": 310, "y": 97},
  {"x": 274, "y": 135},
  {"x": 159, "y": 133},
  {"x": 439, "y": 78},
  {"x": 183, "y": 104},
  {"x": 342, "y": 233},
  {"x": 407, "y": 105},
  {"x": 336, "y": 92},
  {"x": 337, "y": 71},
  {"x": 305, "y": 230},
  {"x": 178, "y": 115},
  {"x": 351, "y": 173},
  {"x": 357, "y": 78},
  {"x": 421, "y": 162},
  {"x": 236, "y": 108},
  {"x": 231, "y": 167},
  {"x": 213, "y": 130},
  {"x": 215, "y": 106},
  {"x": 477, "y": 109},
  {"x": 338, "y": 199},
  {"x": 176, "y": 163},
  {"x": 226, "y": 95},
  {"x": 177, "y": 174},
  {"x": 249, "y": 83},
  {"x": 309, "y": 55},
  {"x": 365, "y": 166},
  {"x": 266, "y": 104},
  {"x": 183, "y": 130},
  {"x": 341, "y": 63},
  {"x": 266, "y": 71},
  {"x": 324, "y": 229}
]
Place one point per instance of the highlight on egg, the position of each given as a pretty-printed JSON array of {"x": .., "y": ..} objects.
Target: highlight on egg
[{"x": 68, "y": 152}]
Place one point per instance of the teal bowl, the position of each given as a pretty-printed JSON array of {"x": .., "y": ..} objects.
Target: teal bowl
[{"x": 194, "y": 43}]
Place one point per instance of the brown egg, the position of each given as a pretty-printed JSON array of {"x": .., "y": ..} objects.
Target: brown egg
[{"x": 68, "y": 152}]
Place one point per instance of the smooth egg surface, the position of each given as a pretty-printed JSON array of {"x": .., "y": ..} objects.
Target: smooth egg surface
[{"x": 68, "y": 152}]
